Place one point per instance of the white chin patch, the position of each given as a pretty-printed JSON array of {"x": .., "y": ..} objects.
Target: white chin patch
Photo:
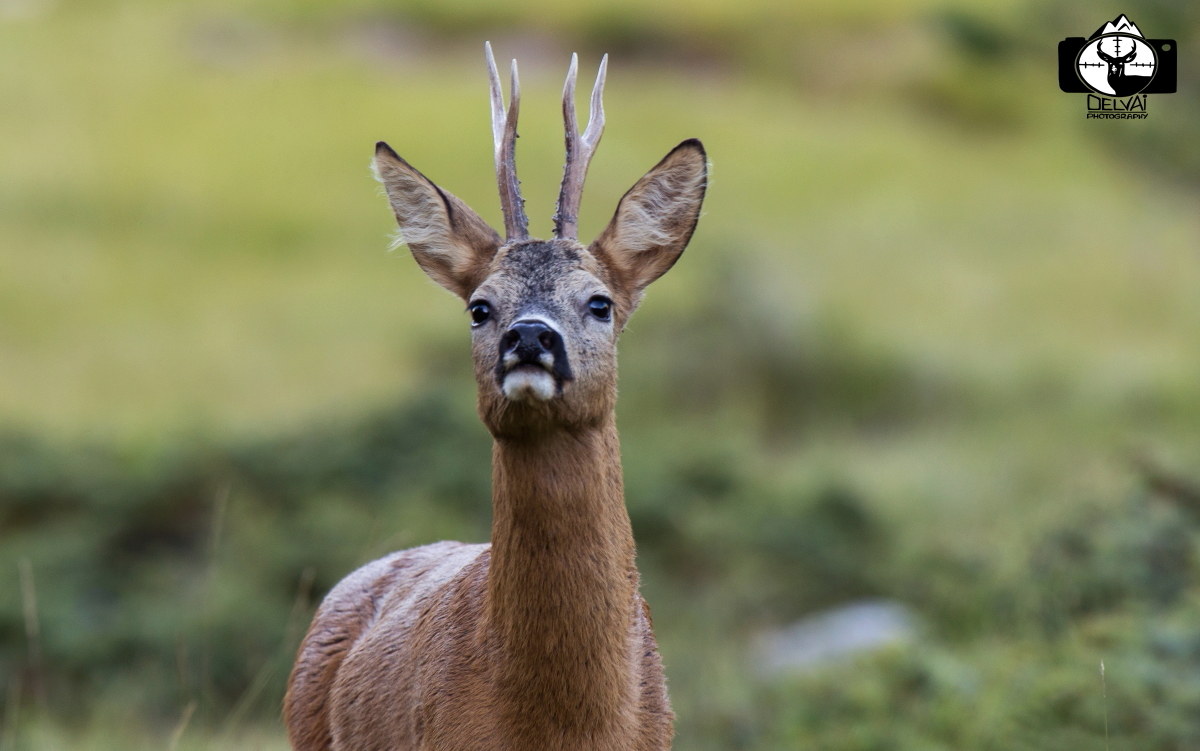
[{"x": 528, "y": 384}]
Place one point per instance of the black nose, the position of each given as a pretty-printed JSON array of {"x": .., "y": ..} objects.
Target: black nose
[{"x": 529, "y": 340}]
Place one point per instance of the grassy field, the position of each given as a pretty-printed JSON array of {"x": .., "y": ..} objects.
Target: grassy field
[{"x": 936, "y": 340}]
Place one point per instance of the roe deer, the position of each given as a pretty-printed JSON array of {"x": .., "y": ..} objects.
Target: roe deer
[{"x": 541, "y": 639}]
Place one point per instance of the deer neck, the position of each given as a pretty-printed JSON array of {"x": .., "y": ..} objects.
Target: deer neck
[{"x": 562, "y": 583}]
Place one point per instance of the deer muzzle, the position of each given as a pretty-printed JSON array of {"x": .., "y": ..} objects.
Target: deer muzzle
[{"x": 533, "y": 363}]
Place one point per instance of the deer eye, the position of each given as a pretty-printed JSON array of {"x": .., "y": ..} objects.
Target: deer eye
[
  {"x": 480, "y": 312},
  {"x": 601, "y": 307}
]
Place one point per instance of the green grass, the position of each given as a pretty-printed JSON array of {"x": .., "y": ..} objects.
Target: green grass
[{"x": 193, "y": 237}]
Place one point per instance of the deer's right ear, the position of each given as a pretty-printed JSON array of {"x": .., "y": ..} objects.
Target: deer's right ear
[
  {"x": 656, "y": 218},
  {"x": 450, "y": 242}
]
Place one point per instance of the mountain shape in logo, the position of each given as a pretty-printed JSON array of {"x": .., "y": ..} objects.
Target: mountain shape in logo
[{"x": 1122, "y": 25}]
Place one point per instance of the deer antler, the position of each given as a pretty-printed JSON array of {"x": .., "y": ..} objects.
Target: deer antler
[
  {"x": 579, "y": 149},
  {"x": 504, "y": 135}
]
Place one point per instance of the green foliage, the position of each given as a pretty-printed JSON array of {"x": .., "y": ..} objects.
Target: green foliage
[
  {"x": 1109, "y": 657},
  {"x": 184, "y": 578},
  {"x": 191, "y": 570}
]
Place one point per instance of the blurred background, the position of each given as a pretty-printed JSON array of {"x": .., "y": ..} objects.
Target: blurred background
[{"x": 911, "y": 433}]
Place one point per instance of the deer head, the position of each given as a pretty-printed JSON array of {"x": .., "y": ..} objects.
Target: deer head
[
  {"x": 545, "y": 314},
  {"x": 1116, "y": 63}
]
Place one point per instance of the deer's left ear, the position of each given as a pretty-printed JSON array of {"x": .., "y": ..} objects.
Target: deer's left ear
[
  {"x": 655, "y": 219},
  {"x": 450, "y": 241}
]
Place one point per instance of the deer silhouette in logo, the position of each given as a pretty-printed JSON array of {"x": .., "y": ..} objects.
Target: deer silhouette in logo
[{"x": 1121, "y": 83}]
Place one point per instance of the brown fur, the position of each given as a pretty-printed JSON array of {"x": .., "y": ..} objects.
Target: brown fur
[{"x": 539, "y": 640}]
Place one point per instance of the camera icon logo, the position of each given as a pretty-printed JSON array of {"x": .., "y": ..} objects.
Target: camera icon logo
[{"x": 1117, "y": 61}]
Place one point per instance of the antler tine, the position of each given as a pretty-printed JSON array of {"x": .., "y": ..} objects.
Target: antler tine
[
  {"x": 595, "y": 126},
  {"x": 504, "y": 136},
  {"x": 579, "y": 148}
]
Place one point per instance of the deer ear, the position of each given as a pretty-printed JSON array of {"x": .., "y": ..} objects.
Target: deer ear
[
  {"x": 655, "y": 219},
  {"x": 450, "y": 242}
]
